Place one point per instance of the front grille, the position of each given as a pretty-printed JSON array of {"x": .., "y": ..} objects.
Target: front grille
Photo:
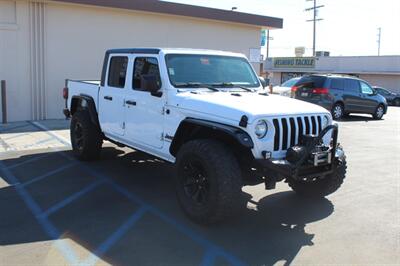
[{"x": 288, "y": 130}]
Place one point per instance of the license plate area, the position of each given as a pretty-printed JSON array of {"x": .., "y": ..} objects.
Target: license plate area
[{"x": 321, "y": 158}]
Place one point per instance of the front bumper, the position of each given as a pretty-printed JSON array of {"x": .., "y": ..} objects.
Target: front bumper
[
  {"x": 309, "y": 164},
  {"x": 287, "y": 169}
]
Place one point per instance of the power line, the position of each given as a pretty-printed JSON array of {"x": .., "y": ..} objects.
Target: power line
[{"x": 314, "y": 20}]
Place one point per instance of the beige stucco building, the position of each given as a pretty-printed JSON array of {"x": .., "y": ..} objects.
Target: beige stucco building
[{"x": 44, "y": 42}]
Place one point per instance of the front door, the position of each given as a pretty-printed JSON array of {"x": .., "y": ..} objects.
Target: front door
[
  {"x": 368, "y": 102},
  {"x": 112, "y": 96},
  {"x": 144, "y": 112}
]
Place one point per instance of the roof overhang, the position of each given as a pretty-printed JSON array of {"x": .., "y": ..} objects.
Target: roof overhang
[{"x": 169, "y": 8}]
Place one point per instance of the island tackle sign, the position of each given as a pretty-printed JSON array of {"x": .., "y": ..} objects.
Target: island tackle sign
[{"x": 294, "y": 62}]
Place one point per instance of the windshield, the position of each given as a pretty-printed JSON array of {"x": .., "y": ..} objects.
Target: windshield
[
  {"x": 290, "y": 83},
  {"x": 185, "y": 70}
]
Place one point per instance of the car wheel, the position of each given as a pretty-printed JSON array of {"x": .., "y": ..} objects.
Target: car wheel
[
  {"x": 320, "y": 187},
  {"x": 86, "y": 137},
  {"x": 380, "y": 110},
  {"x": 337, "y": 111},
  {"x": 208, "y": 181},
  {"x": 396, "y": 102}
]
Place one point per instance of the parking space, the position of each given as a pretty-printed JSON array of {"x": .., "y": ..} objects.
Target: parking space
[{"x": 122, "y": 209}]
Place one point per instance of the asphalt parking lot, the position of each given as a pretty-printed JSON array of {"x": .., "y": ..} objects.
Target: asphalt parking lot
[{"x": 122, "y": 209}]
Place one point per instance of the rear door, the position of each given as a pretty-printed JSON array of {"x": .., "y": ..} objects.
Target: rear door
[
  {"x": 352, "y": 96},
  {"x": 112, "y": 95}
]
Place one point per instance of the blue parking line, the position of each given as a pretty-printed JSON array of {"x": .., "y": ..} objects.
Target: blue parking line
[
  {"x": 27, "y": 161},
  {"x": 208, "y": 258},
  {"x": 38, "y": 143},
  {"x": 12, "y": 128},
  {"x": 16, "y": 136},
  {"x": 49, "y": 229},
  {"x": 71, "y": 198},
  {"x": 118, "y": 234},
  {"x": 36, "y": 179},
  {"x": 215, "y": 251}
]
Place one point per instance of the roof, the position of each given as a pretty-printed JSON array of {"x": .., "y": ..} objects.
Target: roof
[
  {"x": 154, "y": 50},
  {"x": 162, "y": 7}
]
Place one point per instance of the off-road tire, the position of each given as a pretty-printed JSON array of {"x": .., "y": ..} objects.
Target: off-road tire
[
  {"x": 86, "y": 145},
  {"x": 321, "y": 187},
  {"x": 379, "y": 112},
  {"x": 223, "y": 175},
  {"x": 338, "y": 111}
]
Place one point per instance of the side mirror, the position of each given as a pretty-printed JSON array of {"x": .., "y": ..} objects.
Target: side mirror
[
  {"x": 263, "y": 82},
  {"x": 151, "y": 84}
]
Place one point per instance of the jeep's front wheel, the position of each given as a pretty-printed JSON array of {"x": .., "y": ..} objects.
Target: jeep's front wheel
[
  {"x": 320, "y": 187},
  {"x": 86, "y": 137},
  {"x": 208, "y": 181}
]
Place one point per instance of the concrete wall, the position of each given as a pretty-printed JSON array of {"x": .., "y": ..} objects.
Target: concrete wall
[
  {"x": 49, "y": 42},
  {"x": 390, "y": 82}
]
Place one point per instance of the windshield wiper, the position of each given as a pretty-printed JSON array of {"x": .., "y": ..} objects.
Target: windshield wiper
[
  {"x": 195, "y": 85},
  {"x": 231, "y": 85}
]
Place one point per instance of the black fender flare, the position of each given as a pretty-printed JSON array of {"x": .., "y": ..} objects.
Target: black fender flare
[
  {"x": 86, "y": 102},
  {"x": 185, "y": 129}
]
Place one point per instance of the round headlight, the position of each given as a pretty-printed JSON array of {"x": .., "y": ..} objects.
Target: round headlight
[
  {"x": 325, "y": 121},
  {"x": 261, "y": 129}
]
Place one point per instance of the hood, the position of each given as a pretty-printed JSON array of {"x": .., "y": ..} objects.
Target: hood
[{"x": 233, "y": 105}]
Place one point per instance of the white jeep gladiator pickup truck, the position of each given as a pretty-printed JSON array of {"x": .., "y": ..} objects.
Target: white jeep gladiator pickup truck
[{"x": 208, "y": 113}]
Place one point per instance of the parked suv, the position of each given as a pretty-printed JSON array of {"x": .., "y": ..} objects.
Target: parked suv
[{"x": 341, "y": 95}]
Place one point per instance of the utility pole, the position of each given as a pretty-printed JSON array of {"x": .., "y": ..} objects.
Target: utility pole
[
  {"x": 379, "y": 40},
  {"x": 314, "y": 20}
]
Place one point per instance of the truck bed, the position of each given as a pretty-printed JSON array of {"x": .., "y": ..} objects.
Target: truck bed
[{"x": 83, "y": 87}]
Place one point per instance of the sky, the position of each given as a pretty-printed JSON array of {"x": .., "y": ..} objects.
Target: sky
[{"x": 349, "y": 27}]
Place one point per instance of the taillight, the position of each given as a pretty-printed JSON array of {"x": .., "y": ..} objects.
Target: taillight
[
  {"x": 65, "y": 93},
  {"x": 294, "y": 89},
  {"x": 320, "y": 91}
]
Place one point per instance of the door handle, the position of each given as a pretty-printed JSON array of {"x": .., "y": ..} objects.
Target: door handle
[
  {"x": 108, "y": 98},
  {"x": 130, "y": 102}
]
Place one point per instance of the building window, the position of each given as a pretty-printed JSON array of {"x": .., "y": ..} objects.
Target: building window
[
  {"x": 117, "y": 71},
  {"x": 145, "y": 66}
]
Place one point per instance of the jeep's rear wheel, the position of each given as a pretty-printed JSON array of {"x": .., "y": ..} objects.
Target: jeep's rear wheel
[
  {"x": 86, "y": 137},
  {"x": 320, "y": 187},
  {"x": 208, "y": 181}
]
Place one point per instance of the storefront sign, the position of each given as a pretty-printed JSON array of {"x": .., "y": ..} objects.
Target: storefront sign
[{"x": 294, "y": 62}]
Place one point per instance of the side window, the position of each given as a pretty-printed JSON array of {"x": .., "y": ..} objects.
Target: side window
[
  {"x": 117, "y": 71},
  {"x": 365, "y": 88},
  {"x": 145, "y": 66},
  {"x": 352, "y": 85},
  {"x": 337, "y": 84}
]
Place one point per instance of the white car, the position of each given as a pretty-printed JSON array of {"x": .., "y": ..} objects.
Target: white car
[
  {"x": 208, "y": 113},
  {"x": 285, "y": 89}
]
